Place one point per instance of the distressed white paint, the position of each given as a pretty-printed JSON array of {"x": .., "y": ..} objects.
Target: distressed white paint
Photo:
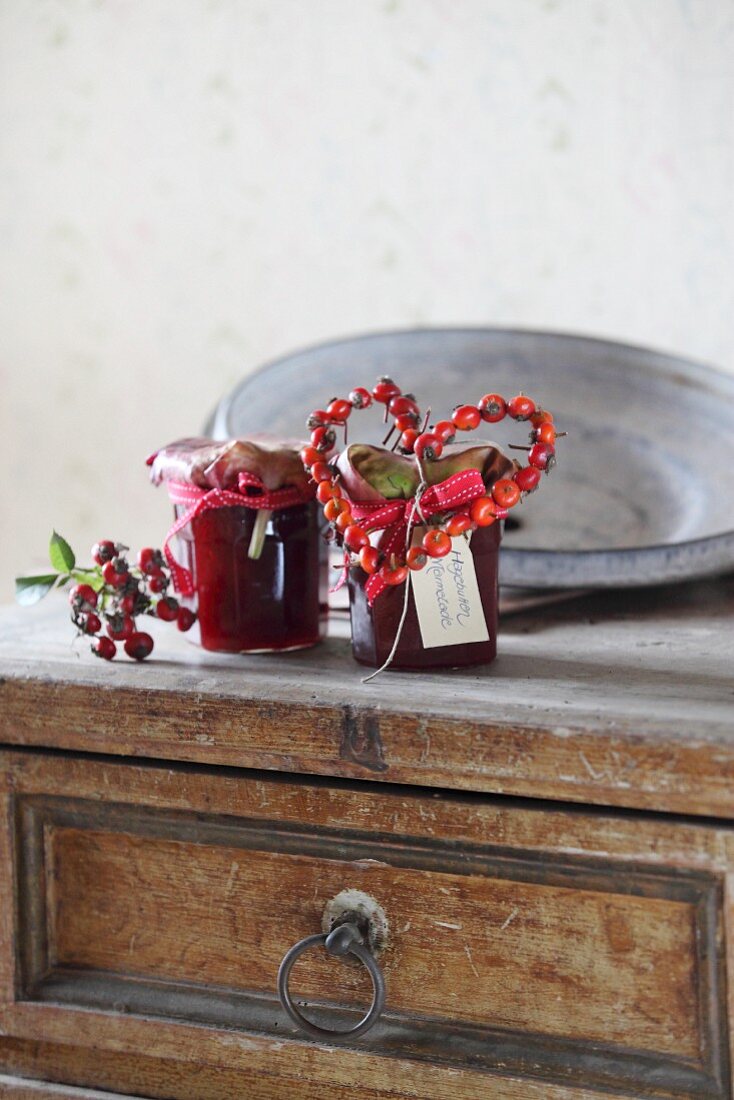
[{"x": 188, "y": 187}]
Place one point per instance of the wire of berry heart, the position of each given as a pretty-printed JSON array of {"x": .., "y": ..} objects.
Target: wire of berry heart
[{"x": 427, "y": 445}]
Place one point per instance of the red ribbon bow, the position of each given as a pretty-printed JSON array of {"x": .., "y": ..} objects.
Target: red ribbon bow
[
  {"x": 201, "y": 500},
  {"x": 392, "y": 516}
]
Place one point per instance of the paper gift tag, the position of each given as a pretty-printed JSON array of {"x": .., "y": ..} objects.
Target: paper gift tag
[{"x": 447, "y": 598}]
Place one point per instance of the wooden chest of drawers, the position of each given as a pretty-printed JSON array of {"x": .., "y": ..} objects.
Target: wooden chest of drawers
[{"x": 551, "y": 842}]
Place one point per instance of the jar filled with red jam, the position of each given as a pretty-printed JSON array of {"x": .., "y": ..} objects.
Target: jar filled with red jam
[
  {"x": 375, "y": 627},
  {"x": 451, "y": 614},
  {"x": 248, "y": 545}
]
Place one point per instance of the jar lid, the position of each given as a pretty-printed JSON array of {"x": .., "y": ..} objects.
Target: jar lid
[{"x": 218, "y": 464}]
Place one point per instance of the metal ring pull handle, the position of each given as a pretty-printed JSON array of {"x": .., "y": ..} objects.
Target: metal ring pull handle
[{"x": 344, "y": 939}]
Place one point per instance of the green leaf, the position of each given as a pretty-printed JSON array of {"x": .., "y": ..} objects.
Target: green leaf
[
  {"x": 92, "y": 577},
  {"x": 29, "y": 590},
  {"x": 61, "y": 554}
]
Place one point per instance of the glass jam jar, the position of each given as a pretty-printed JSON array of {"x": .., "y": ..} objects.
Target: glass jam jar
[
  {"x": 249, "y": 548},
  {"x": 277, "y": 601},
  {"x": 375, "y": 627}
]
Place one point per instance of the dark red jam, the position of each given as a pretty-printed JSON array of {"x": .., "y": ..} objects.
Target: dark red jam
[
  {"x": 374, "y": 628},
  {"x": 276, "y": 602}
]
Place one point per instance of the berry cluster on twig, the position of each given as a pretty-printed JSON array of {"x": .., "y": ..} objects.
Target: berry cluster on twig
[{"x": 108, "y": 598}]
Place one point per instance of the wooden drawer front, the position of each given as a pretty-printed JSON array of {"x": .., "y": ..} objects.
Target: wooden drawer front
[{"x": 520, "y": 940}]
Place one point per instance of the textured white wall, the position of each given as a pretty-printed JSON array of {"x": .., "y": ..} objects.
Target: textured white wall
[{"x": 188, "y": 187}]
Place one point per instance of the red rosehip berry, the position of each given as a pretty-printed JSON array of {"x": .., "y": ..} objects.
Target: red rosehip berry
[
  {"x": 153, "y": 565},
  {"x": 406, "y": 422},
  {"x": 542, "y": 456},
  {"x": 185, "y": 618},
  {"x": 321, "y": 471},
  {"x": 323, "y": 439},
  {"x": 128, "y": 603},
  {"x": 492, "y": 408},
  {"x": 355, "y": 538},
  {"x": 111, "y": 575},
  {"x": 408, "y": 440},
  {"x": 482, "y": 512},
  {"x": 325, "y": 491},
  {"x": 541, "y": 416},
  {"x": 167, "y": 609},
  {"x": 139, "y": 645},
  {"x": 309, "y": 456},
  {"x": 384, "y": 390},
  {"x": 466, "y": 417},
  {"x": 393, "y": 574},
  {"x": 436, "y": 542},
  {"x": 148, "y": 559},
  {"x": 428, "y": 446},
  {"x": 402, "y": 405},
  {"x": 445, "y": 430},
  {"x": 334, "y": 508},
  {"x": 91, "y": 623},
  {"x": 527, "y": 479},
  {"x": 505, "y": 493},
  {"x": 416, "y": 558},
  {"x": 360, "y": 397},
  {"x": 369, "y": 559},
  {"x": 120, "y": 627},
  {"x": 544, "y": 433},
  {"x": 82, "y": 595},
  {"x": 342, "y": 521},
  {"x": 520, "y": 407},
  {"x": 458, "y": 524},
  {"x": 104, "y": 648},
  {"x": 317, "y": 418},
  {"x": 103, "y": 551},
  {"x": 339, "y": 410},
  {"x": 157, "y": 584}
]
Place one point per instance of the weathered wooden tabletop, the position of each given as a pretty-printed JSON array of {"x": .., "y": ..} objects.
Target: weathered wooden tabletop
[{"x": 622, "y": 699}]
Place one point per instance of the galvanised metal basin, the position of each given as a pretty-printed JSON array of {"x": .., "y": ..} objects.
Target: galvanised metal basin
[{"x": 643, "y": 492}]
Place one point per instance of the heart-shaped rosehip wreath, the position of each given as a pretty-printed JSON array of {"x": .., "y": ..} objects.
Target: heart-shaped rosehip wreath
[
  {"x": 447, "y": 498},
  {"x": 426, "y": 445}
]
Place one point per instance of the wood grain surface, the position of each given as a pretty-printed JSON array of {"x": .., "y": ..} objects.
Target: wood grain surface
[
  {"x": 450, "y": 956},
  {"x": 625, "y": 699},
  {"x": 537, "y": 951},
  {"x": 532, "y": 950},
  {"x": 261, "y": 1077}
]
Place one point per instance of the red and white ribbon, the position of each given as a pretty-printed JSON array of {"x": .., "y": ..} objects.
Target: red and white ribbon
[
  {"x": 251, "y": 494},
  {"x": 392, "y": 517}
]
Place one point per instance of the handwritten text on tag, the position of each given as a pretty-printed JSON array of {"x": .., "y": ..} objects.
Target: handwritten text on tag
[{"x": 447, "y": 599}]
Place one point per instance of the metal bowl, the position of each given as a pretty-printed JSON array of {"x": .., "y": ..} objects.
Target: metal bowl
[{"x": 642, "y": 493}]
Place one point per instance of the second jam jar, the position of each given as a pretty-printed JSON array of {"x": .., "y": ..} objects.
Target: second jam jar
[
  {"x": 247, "y": 543},
  {"x": 375, "y": 626}
]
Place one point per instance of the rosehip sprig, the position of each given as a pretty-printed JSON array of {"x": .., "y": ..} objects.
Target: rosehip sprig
[
  {"x": 427, "y": 445},
  {"x": 107, "y": 598}
]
